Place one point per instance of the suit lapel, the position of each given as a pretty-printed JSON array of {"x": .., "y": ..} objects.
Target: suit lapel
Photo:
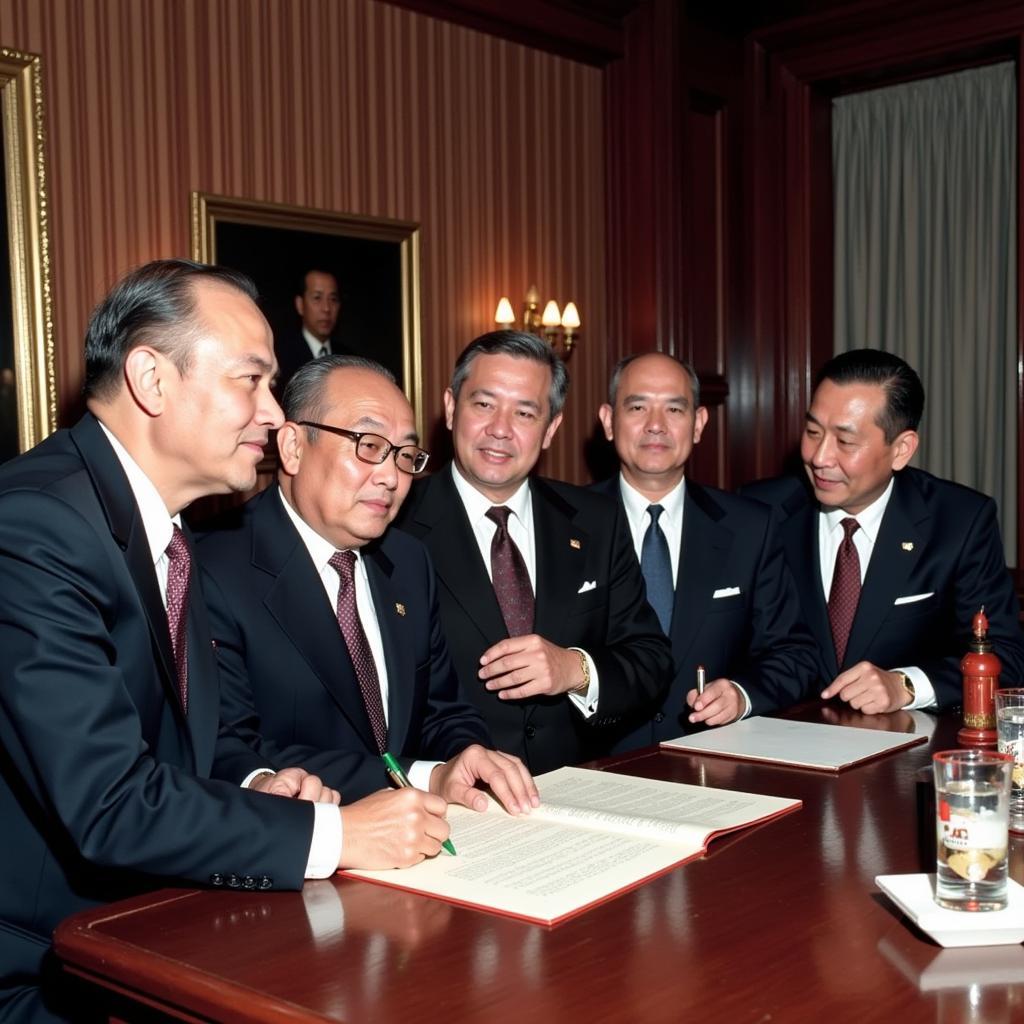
[
  {"x": 296, "y": 600},
  {"x": 562, "y": 553},
  {"x": 401, "y": 670},
  {"x": 115, "y": 495},
  {"x": 203, "y": 688},
  {"x": 799, "y": 536},
  {"x": 456, "y": 556},
  {"x": 890, "y": 566},
  {"x": 704, "y": 549}
]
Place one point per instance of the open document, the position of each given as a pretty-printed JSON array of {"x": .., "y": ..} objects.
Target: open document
[{"x": 595, "y": 835}]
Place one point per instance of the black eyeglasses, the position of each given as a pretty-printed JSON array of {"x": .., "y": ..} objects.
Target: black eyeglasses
[{"x": 374, "y": 449}]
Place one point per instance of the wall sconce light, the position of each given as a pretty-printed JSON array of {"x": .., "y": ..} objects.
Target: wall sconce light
[{"x": 561, "y": 330}]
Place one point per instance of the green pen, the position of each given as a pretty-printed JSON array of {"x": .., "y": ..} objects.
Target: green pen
[{"x": 401, "y": 780}]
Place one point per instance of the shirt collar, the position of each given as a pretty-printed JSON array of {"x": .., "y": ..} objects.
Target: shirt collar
[
  {"x": 320, "y": 549},
  {"x": 478, "y": 505},
  {"x": 637, "y": 504},
  {"x": 314, "y": 343},
  {"x": 869, "y": 519},
  {"x": 156, "y": 520}
]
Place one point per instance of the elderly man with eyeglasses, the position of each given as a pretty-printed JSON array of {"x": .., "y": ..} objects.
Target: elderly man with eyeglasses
[{"x": 326, "y": 623}]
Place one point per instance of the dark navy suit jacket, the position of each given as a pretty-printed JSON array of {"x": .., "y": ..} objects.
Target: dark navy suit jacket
[
  {"x": 589, "y": 594},
  {"x": 751, "y": 633},
  {"x": 936, "y": 538},
  {"x": 287, "y": 682},
  {"x": 104, "y": 782}
]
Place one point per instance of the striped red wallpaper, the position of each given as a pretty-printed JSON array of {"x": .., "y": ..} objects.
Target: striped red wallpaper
[{"x": 354, "y": 106}]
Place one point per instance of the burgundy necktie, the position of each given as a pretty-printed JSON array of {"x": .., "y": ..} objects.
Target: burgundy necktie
[
  {"x": 842, "y": 601},
  {"x": 509, "y": 576},
  {"x": 343, "y": 563},
  {"x": 179, "y": 572}
]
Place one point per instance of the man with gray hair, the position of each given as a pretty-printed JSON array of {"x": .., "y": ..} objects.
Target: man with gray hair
[
  {"x": 326, "y": 622},
  {"x": 541, "y": 596},
  {"x": 714, "y": 573}
]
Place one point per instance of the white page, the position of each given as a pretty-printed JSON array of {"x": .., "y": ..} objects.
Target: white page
[{"x": 807, "y": 744}]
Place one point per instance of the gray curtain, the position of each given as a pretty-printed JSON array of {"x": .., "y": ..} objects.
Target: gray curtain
[{"x": 925, "y": 261}]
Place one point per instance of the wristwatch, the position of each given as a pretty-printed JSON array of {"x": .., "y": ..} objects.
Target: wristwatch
[{"x": 908, "y": 686}]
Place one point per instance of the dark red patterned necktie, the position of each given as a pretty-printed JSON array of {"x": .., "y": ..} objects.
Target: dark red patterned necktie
[
  {"x": 179, "y": 572},
  {"x": 842, "y": 601},
  {"x": 509, "y": 576},
  {"x": 343, "y": 563}
]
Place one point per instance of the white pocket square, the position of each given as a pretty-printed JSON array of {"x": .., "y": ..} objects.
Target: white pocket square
[
  {"x": 725, "y": 592},
  {"x": 911, "y": 598},
  {"x": 590, "y": 585}
]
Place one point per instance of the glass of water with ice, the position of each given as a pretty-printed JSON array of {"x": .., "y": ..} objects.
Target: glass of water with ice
[
  {"x": 1010, "y": 728},
  {"x": 972, "y": 800}
]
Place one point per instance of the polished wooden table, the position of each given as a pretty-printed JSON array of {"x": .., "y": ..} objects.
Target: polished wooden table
[{"x": 779, "y": 923}]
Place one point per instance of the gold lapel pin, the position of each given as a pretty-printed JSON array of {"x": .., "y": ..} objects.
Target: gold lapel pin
[
  {"x": 907, "y": 545},
  {"x": 399, "y": 607},
  {"x": 574, "y": 543}
]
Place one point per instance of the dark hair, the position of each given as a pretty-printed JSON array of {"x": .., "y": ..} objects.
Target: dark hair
[
  {"x": 613, "y": 383},
  {"x": 519, "y": 345},
  {"x": 316, "y": 268},
  {"x": 303, "y": 397},
  {"x": 154, "y": 304},
  {"x": 904, "y": 394}
]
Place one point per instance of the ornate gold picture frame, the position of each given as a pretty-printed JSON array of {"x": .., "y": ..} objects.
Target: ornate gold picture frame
[
  {"x": 28, "y": 387},
  {"x": 375, "y": 260}
]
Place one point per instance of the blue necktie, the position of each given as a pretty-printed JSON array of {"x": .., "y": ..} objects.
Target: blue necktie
[{"x": 656, "y": 565}]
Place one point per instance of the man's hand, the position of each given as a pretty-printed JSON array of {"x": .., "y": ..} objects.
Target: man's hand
[
  {"x": 505, "y": 774},
  {"x": 720, "y": 703},
  {"x": 530, "y": 666},
  {"x": 297, "y": 783},
  {"x": 869, "y": 689},
  {"x": 392, "y": 829}
]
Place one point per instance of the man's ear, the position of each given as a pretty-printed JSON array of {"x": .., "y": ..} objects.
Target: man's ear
[
  {"x": 449, "y": 407},
  {"x": 291, "y": 440},
  {"x": 550, "y": 432},
  {"x": 146, "y": 373},
  {"x": 700, "y": 421},
  {"x": 903, "y": 448},
  {"x": 604, "y": 414},
  {"x": 300, "y": 306}
]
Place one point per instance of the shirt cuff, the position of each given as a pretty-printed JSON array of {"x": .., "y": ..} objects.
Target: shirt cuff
[
  {"x": 587, "y": 702},
  {"x": 325, "y": 848},
  {"x": 924, "y": 692},
  {"x": 247, "y": 781},
  {"x": 746, "y": 700},
  {"x": 419, "y": 774}
]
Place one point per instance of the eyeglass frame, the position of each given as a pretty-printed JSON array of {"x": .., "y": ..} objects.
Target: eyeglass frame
[{"x": 389, "y": 449}]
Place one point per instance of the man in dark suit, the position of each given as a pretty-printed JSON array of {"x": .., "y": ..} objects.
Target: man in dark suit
[
  {"x": 290, "y": 681},
  {"x": 113, "y": 770},
  {"x": 318, "y": 303},
  {"x": 541, "y": 597},
  {"x": 715, "y": 574},
  {"x": 905, "y": 559}
]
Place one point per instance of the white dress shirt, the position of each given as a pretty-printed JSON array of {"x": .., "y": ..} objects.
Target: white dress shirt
[
  {"x": 325, "y": 848},
  {"x": 830, "y": 536},
  {"x": 520, "y": 529},
  {"x": 321, "y": 551},
  {"x": 671, "y": 523}
]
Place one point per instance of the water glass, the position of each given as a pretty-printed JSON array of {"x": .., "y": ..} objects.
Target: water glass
[
  {"x": 972, "y": 802},
  {"x": 1010, "y": 730}
]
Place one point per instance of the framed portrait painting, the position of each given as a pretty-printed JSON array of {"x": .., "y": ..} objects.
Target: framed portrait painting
[
  {"x": 374, "y": 261},
  {"x": 28, "y": 389}
]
